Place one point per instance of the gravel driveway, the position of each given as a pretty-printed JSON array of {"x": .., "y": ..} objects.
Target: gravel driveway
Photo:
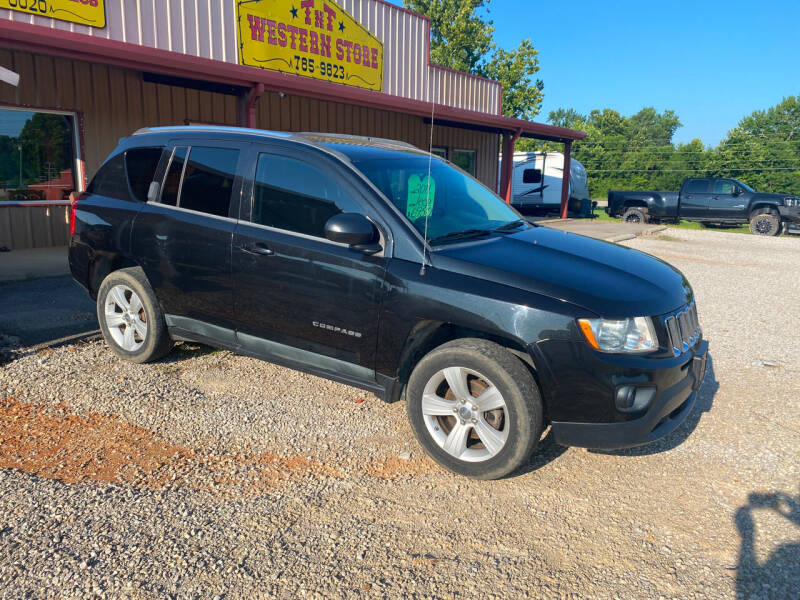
[{"x": 214, "y": 475}]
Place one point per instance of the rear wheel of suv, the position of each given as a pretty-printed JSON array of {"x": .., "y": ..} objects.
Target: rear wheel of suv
[
  {"x": 130, "y": 318},
  {"x": 635, "y": 215},
  {"x": 475, "y": 408},
  {"x": 765, "y": 223}
]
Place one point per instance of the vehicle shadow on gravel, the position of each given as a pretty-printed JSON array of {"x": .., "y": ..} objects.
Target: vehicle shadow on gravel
[
  {"x": 703, "y": 404},
  {"x": 186, "y": 350},
  {"x": 546, "y": 452},
  {"x": 776, "y": 576}
]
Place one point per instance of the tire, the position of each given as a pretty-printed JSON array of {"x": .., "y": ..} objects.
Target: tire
[
  {"x": 635, "y": 214},
  {"x": 765, "y": 223},
  {"x": 451, "y": 427},
  {"x": 137, "y": 336}
]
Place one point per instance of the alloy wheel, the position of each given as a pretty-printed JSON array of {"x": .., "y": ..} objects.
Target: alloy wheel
[
  {"x": 764, "y": 226},
  {"x": 465, "y": 414},
  {"x": 125, "y": 317}
]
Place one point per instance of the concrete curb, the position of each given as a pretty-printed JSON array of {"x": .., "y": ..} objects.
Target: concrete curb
[{"x": 630, "y": 236}]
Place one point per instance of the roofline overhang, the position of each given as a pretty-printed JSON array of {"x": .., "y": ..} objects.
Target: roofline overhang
[{"x": 44, "y": 40}]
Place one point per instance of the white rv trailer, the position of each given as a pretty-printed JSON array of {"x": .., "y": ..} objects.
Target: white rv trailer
[{"x": 536, "y": 183}]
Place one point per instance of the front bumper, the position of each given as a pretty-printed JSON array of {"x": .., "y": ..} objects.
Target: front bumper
[
  {"x": 790, "y": 213},
  {"x": 666, "y": 413}
]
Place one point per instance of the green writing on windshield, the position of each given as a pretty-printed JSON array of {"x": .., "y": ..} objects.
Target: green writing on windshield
[{"x": 421, "y": 192}]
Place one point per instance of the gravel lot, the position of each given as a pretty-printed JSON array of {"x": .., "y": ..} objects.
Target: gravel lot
[{"x": 213, "y": 475}]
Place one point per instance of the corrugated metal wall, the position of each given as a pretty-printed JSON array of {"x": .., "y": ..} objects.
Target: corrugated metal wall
[
  {"x": 114, "y": 102},
  {"x": 33, "y": 226},
  {"x": 295, "y": 113},
  {"x": 207, "y": 28}
]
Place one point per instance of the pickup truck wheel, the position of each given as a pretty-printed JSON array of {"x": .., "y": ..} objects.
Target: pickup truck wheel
[
  {"x": 475, "y": 408},
  {"x": 765, "y": 223},
  {"x": 635, "y": 215},
  {"x": 130, "y": 317}
]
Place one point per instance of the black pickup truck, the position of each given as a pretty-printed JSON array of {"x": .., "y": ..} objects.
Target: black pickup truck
[{"x": 712, "y": 201}]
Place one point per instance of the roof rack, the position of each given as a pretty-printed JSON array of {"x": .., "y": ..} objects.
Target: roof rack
[
  {"x": 225, "y": 128},
  {"x": 356, "y": 138}
]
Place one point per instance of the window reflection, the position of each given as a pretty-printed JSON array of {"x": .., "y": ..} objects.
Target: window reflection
[{"x": 37, "y": 155}]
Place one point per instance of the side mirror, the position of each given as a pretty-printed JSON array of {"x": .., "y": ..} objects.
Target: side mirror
[
  {"x": 737, "y": 191},
  {"x": 355, "y": 230},
  {"x": 152, "y": 191}
]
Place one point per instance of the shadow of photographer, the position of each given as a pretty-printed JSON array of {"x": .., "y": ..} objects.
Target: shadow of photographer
[{"x": 780, "y": 573}]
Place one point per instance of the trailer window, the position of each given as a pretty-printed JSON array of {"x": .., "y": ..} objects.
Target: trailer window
[{"x": 531, "y": 176}]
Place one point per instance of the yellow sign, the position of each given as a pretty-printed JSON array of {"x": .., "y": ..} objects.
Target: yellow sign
[
  {"x": 312, "y": 38},
  {"x": 85, "y": 12}
]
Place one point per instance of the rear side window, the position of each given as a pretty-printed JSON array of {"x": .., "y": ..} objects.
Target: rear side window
[
  {"x": 172, "y": 182},
  {"x": 697, "y": 186},
  {"x": 110, "y": 180},
  {"x": 296, "y": 196},
  {"x": 208, "y": 180},
  {"x": 141, "y": 164},
  {"x": 201, "y": 179}
]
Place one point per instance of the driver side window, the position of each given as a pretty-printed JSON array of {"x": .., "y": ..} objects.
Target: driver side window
[
  {"x": 296, "y": 196},
  {"x": 724, "y": 187}
]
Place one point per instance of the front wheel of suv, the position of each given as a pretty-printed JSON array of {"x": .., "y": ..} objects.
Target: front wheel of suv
[
  {"x": 130, "y": 317},
  {"x": 475, "y": 408}
]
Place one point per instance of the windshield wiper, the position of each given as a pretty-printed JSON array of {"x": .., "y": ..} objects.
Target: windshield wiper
[
  {"x": 512, "y": 225},
  {"x": 464, "y": 233}
]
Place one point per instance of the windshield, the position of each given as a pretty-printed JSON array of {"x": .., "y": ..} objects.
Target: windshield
[
  {"x": 744, "y": 185},
  {"x": 453, "y": 201}
]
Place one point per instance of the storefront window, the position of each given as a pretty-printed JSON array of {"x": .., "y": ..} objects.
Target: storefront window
[
  {"x": 465, "y": 159},
  {"x": 37, "y": 155},
  {"x": 440, "y": 151}
]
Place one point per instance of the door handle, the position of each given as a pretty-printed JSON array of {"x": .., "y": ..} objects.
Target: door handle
[{"x": 258, "y": 248}]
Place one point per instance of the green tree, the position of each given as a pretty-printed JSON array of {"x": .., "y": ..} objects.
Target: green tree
[
  {"x": 763, "y": 150},
  {"x": 638, "y": 152},
  {"x": 462, "y": 39},
  {"x": 621, "y": 151},
  {"x": 522, "y": 96}
]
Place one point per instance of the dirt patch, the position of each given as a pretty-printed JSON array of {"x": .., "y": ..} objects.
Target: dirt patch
[
  {"x": 393, "y": 467},
  {"x": 57, "y": 444}
]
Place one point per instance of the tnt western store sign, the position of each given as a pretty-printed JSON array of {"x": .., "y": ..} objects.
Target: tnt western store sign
[{"x": 312, "y": 38}]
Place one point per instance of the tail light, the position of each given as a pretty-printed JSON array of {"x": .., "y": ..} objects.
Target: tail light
[{"x": 73, "y": 204}]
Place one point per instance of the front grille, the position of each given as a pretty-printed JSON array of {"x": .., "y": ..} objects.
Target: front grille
[{"x": 683, "y": 329}]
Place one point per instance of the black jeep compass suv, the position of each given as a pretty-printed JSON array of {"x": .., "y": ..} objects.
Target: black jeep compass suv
[{"x": 375, "y": 264}]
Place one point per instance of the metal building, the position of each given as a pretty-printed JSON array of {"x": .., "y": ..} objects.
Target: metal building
[{"x": 92, "y": 72}]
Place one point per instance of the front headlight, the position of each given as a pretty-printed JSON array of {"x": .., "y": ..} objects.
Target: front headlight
[
  {"x": 791, "y": 201},
  {"x": 625, "y": 335}
]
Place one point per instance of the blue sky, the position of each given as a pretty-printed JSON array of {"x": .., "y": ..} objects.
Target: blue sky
[{"x": 710, "y": 61}]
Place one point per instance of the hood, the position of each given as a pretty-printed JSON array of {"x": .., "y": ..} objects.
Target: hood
[
  {"x": 609, "y": 280},
  {"x": 771, "y": 196}
]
